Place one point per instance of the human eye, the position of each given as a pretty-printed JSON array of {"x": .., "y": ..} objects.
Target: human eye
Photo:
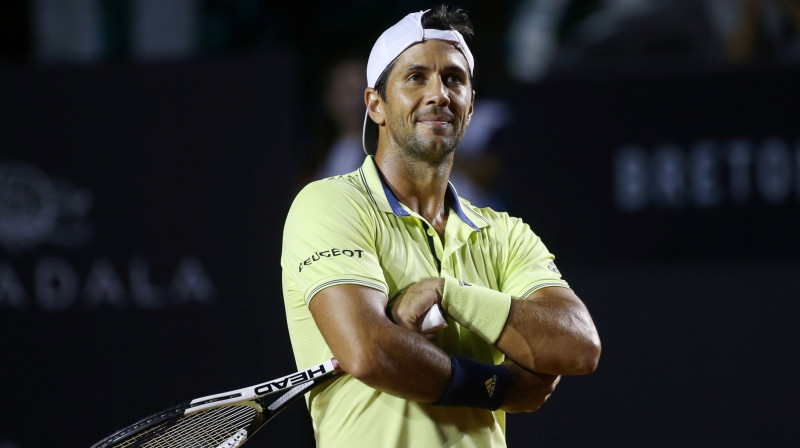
[
  {"x": 454, "y": 78},
  {"x": 414, "y": 77}
]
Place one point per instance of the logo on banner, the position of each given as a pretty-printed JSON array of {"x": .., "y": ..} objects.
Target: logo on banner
[
  {"x": 707, "y": 175},
  {"x": 38, "y": 211}
]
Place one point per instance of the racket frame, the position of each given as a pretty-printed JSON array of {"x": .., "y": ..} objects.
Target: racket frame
[
  {"x": 294, "y": 384},
  {"x": 263, "y": 389}
]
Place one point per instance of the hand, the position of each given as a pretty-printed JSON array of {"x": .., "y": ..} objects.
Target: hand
[
  {"x": 408, "y": 309},
  {"x": 529, "y": 390}
]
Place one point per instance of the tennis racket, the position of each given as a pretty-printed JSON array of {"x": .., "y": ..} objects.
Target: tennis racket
[
  {"x": 223, "y": 420},
  {"x": 229, "y": 419}
]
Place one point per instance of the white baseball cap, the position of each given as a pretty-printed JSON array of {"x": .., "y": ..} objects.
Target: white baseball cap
[{"x": 387, "y": 48}]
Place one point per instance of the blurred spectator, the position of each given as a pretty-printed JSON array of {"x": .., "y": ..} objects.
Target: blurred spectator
[
  {"x": 550, "y": 37},
  {"x": 478, "y": 163},
  {"x": 588, "y": 36},
  {"x": 757, "y": 30},
  {"x": 164, "y": 30},
  {"x": 67, "y": 31},
  {"x": 336, "y": 146},
  {"x": 532, "y": 38}
]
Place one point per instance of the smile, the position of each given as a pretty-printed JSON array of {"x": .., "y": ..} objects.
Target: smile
[{"x": 435, "y": 121}]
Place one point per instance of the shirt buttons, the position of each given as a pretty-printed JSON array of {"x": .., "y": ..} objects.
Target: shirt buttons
[{"x": 431, "y": 232}]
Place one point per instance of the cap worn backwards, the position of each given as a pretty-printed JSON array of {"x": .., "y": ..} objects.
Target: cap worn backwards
[{"x": 388, "y": 47}]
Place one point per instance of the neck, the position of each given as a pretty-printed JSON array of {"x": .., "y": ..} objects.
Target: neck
[{"x": 420, "y": 185}]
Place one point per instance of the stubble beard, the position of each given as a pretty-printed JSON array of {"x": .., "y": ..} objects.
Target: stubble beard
[{"x": 425, "y": 149}]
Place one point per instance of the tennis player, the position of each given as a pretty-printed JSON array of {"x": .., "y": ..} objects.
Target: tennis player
[{"x": 367, "y": 254}]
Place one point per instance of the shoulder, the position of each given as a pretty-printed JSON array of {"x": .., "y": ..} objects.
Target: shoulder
[
  {"x": 331, "y": 205},
  {"x": 333, "y": 191},
  {"x": 500, "y": 226}
]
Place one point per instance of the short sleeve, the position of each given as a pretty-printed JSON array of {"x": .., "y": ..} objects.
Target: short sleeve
[
  {"x": 328, "y": 239},
  {"x": 529, "y": 266}
]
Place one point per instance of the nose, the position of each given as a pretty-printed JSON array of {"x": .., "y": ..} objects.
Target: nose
[{"x": 437, "y": 93}]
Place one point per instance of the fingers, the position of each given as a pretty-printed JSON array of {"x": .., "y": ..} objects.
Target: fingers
[
  {"x": 529, "y": 390},
  {"x": 434, "y": 329},
  {"x": 408, "y": 313},
  {"x": 415, "y": 307},
  {"x": 429, "y": 321}
]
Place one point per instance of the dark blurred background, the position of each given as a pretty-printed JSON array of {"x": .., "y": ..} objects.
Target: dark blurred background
[{"x": 149, "y": 151}]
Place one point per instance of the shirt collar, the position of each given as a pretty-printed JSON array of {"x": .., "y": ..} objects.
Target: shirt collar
[{"x": 385, "y": 201}]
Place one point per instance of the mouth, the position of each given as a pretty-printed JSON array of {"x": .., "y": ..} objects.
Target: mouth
[{"x": 435, "y": 121}]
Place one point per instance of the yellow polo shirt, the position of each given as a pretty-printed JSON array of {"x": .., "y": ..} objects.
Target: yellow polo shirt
[{"x": 352, "y": 229}]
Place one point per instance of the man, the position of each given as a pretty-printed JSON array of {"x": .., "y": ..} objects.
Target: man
[{"x": 366, "y": 255}]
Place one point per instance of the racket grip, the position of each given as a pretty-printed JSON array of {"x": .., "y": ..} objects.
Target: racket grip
[{"x": 434, "y": 318}]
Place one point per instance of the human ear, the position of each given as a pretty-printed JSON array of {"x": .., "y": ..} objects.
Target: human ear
[
  {"x": 374, "y": 105},
  {"x": 471, "y": 109}
]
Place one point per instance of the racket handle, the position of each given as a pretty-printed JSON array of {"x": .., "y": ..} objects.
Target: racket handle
[{"x": 434, "y": 318}]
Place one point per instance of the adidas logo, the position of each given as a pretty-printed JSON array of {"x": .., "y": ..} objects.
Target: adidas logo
[{"x": 490, "y": 385}]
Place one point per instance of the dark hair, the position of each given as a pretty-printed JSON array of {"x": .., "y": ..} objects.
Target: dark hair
[{"x": 438, "y": 18}]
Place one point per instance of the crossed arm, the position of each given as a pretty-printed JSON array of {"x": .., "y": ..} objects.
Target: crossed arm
[
  {"x": 547, "y": 335},
  {"x": 549, "y": 332}
]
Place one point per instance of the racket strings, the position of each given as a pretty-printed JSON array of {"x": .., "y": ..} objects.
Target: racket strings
[
  {"x": 204, "y": 429},
  {"x": 210, "y": 427}
]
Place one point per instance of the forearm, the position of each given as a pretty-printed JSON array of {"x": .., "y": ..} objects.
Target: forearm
[
  {"x": 403, "y": 363},
  {"x": 374, "y": 350},
  {"x": 549, "y": 332}
]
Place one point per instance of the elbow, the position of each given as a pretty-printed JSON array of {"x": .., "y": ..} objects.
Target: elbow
[
  {"x": 590, "y": 357},
  {"x": 363, "y": 365},
  {"x": 361, "y": 370},
  {"x": 586, "y": 349},
  {"x": 579, "y": 358}
]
